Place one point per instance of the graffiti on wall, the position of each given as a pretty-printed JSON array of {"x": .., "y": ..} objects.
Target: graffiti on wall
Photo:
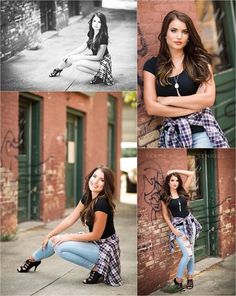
[
  {"x": 28, "y": 172},
  {"x": 151, "y": 184}
]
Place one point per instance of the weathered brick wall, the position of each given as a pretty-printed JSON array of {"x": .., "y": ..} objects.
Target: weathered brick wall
[
  {"x": 226, "y": 193},
  {"x": 150, "y": 16},
  {"x": 20, "y": 26},
  {"x": 9, "y": 163},
  {"x": 54, "y": 148},
  {"x": 156, "y": 266}
]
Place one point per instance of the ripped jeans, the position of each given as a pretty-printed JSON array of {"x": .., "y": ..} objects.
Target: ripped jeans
[{"x": 187, "y": 248}]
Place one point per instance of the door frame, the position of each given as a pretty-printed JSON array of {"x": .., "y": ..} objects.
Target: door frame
[
  {"x": 209, "y": 191},
  {"x": 34, "y": 153},
  {"x": 79, "y": 169}
]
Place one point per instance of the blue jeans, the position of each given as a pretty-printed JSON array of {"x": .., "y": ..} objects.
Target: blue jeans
[
  {"x": 201, "y": 140},
  {"x": 82, "y": 253},
  {"x": 187, "y": 248}
]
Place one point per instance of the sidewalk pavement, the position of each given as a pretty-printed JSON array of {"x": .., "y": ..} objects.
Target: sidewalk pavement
[
  {"x": 216, "y": 279},
  {"x": 55, "y": 276},
  {"x": 29, "y": 69}
]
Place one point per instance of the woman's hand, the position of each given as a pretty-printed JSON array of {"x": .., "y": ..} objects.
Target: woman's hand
[
  {"x": 58, "y": 239},
  {"x": 177, "y": 232},
  {"x": 201, "y": 89},
  {"x": 45, "y": 241}
]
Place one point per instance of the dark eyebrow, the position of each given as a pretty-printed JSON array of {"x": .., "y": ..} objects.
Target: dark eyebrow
[{"x": 177, "y": 29}]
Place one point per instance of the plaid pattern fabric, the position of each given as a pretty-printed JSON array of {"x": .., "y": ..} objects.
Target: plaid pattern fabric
[
  {"x": 177, "y": 133},
  {"x": 187, "y": 223},
  {"x": 109, "y": 260},
  {"x": 105, "y": 70}
]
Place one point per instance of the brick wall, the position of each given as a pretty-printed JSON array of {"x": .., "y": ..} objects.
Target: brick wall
[
  {"x": 20, "y": 27},
  {"x": 9, "y": 163},
  {"x": 150, "y": 16},
  {"x": 53, "y": 148},
  {"x": 226, "y": 194},
  {"x": 155, "y": 264}
]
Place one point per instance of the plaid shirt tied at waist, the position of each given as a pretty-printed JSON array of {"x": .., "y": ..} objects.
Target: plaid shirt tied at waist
[
  {"x": 105, "y": 70},
  {"x": 177, "y": 132},
  {"x": 188, "y": 230},
  {"x": 109, "y": 260}
]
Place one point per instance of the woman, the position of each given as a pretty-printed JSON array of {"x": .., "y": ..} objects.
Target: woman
[
  {"x": 183, "y": 225},
  {"x": 98, "y": 61},
  {"x": 97, "y": 250},
  {"x": 179, "y": 85}
]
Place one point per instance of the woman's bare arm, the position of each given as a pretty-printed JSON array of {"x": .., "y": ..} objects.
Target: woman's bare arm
[
  {"x": 198, "y": 101},
  {"x": 96, "y": 57},
  {"x": 156, "y": 108},
  {"x": 78, "y": 50},
  {"x": 68, "y": 221},
  {"x": 98, "y": 229}
]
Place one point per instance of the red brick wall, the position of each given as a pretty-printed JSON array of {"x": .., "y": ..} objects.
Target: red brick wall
[
  {"x": 150, "y": 16},
  {"x": 155, "y": 263},
  {"x": 53, "y": 148},
  {"x": 9, "y": 163},
  {"x": 156, "y": 266},
  {"x": 226, "y": 194}
]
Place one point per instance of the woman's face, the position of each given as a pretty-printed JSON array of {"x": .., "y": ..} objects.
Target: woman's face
[
  {"x": 177, "y": 35},
  {"x": 173, "y": 183},
  {"x": 96, "y": 23},
  {"x": 96, "y": 182}
]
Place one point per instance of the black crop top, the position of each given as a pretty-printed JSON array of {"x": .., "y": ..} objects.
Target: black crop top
[
  {"x": 187, "y": 86},
  {"x": 103, "y": 206},
  {"x": 178, "y": 207}
]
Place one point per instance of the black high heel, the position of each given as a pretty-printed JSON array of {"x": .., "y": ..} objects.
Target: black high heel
[
  {"x": 189, "y": 284},
  {"x": 28, "y": 265},
  {"x": 55, "y": 72},
  {"x": 93, "y": 278},
  {"x": 96, "y": 80},
  {"x": 179, "y": 285}
]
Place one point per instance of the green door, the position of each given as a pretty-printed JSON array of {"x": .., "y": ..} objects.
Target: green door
[
  {"x": 29, "y": 166},
  {"x": 203, "y": 200},
  {"x": 74, "y": 158},
  {"x": 24, "y": 161},
  {"x": 217, "y": 29}
]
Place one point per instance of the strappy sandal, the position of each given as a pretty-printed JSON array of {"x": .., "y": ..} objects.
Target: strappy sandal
[
  {"x": 189, "y": 284},
  {"x": 178, "y": 285},
  {"x": 55, "y": 72},
  {"x": 28, "y": 265},
  {"x": 96, "y": 80},
  {"x": 93, "y": 278}
]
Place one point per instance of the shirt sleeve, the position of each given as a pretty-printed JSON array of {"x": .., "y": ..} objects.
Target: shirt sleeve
[
  {"x": 102, "y": 205},
  {"x": 104, "y": 40},
  {"x": 151, "y": 66},
  {"x": 83, "y": 199}
]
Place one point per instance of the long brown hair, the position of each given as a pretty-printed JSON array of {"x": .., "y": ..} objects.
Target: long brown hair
[
  {"x": 196, "y": 58},
  {"x": 108, "y": 191},
  {"x": 166, "y": 187},
  {"x": 102, "y": 34}
]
